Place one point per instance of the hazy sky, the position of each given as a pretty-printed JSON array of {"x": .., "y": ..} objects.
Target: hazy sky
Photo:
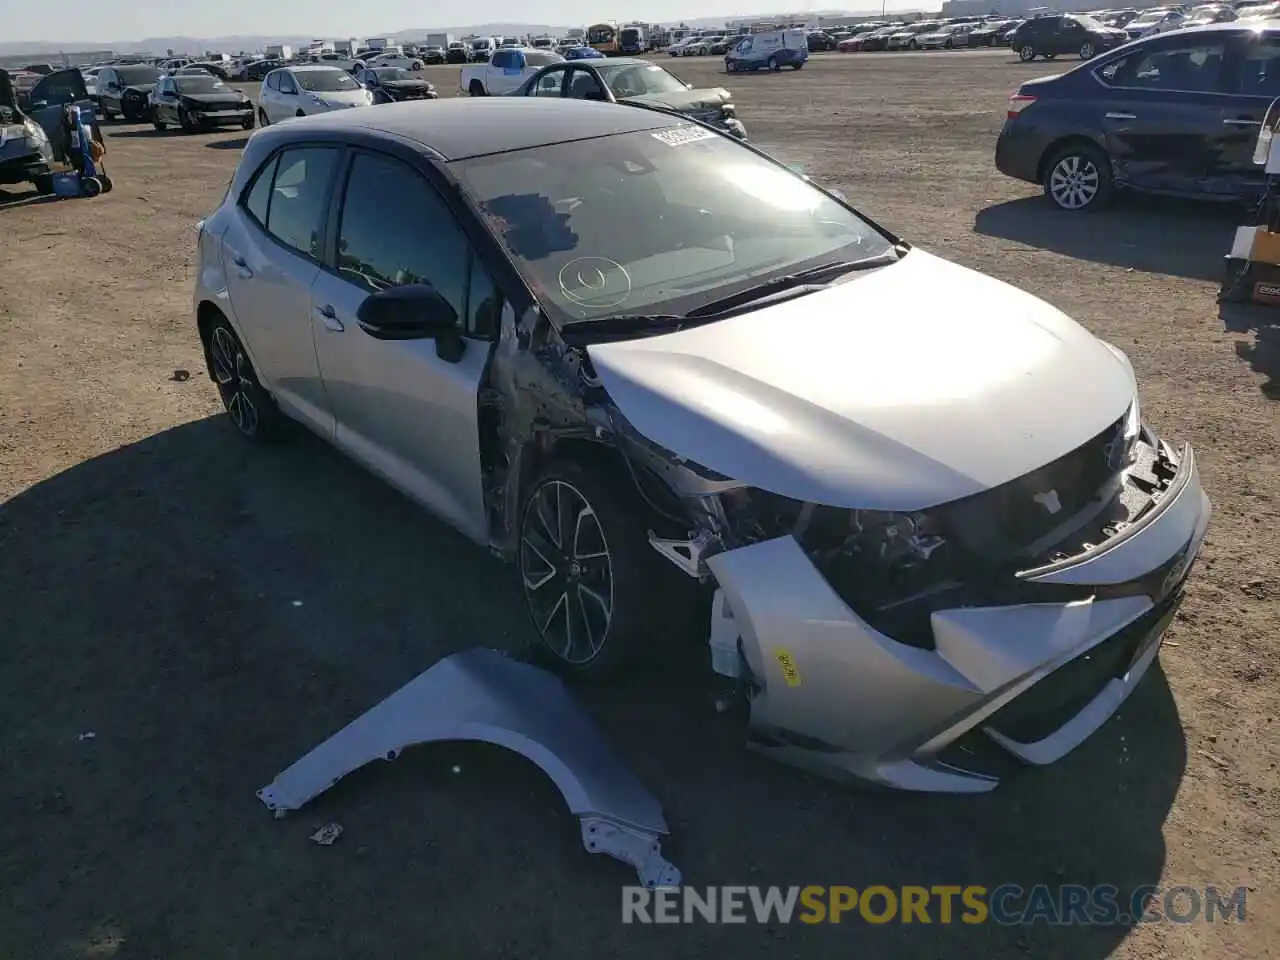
[{"x": 86, "y": 20}]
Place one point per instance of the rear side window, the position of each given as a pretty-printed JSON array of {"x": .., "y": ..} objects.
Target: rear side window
[
  {"x": 1186, "y": 67},
  {"x": 295, "y": 201}
]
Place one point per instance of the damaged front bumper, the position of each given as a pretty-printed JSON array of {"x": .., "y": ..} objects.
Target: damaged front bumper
[
  {"x": 482, "y": 695},
  {"x": 1024, "y": 682}
]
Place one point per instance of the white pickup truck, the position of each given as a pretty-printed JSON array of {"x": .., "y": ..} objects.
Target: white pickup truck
[{"x": 506, "y": 70}]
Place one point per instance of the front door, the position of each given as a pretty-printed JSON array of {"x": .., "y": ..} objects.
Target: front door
[
  {"x": 407, "y": 409},
  {"x": 271, "y": 256},
  {"x": 166, "y": 101},
  {"x": 1162, "y": 114}
]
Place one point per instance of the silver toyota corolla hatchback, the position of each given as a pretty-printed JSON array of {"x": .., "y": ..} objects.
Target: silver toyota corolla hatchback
[{"x": 930, "y": 533}]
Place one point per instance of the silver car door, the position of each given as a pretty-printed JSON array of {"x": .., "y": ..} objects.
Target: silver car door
[
  {"x": 402, "y": 408},
  {"x": 271, "y": 254}
]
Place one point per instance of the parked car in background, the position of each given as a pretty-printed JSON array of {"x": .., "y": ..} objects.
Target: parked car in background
[
  {"x": 32, "y": 134},
  {"x": 701, "y": 47},
  {"x": 946, "y": 37},
  {"x": 1071, "y": 33},
  {"x": 820, "y": 42},
  {"x": 433, "y": 55},
  {"x": 306, "y": 90},
  {"x": 392, "y": 84},
  {"x": 125, "y": 91},
  {"x": 768, "y": 50},
  {"x": 40, "y": 69},
  {"x": 993, "y": 33},
  {"x": 208, "y": 68},
  {"x": 1118, "y": 18},
  {"x": 625, "y": 80},
  {"x": 717, "y": 344},
  {"x": 583, "y": 52},
  {"x": 505, "y": 71},
  {"x": 482, "y": 49},
  {"x": 677, "y": 49},
  {"x": 905, "y": 38},
  {"x": 1208, "y": 13},
  {"x": 1151, "y": 22},
  {"x": 457, "y": 52},
  {"x": 258, "y": 69},
  {"x": 401, "y": 60},
  {"x": 873, "y": 41},
  {"x": 1177, "y": 114},
  {"x": 197, "y": 101}
]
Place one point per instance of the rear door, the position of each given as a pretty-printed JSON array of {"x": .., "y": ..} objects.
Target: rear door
[
  {"x": 1162, "y": 113},
  {"x": 272, "y": 252},
  {"x": 1253, "y": 82},
  {"x": 50, "y": 96}
]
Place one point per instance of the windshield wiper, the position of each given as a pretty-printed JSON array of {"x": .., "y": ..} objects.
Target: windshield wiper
[
  {"x": 799, "y": 283},
  {"x": 622, "y": 323}
]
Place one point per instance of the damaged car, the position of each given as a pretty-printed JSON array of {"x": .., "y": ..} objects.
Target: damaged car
[
  {"x": 917, "y": 516},
  {"x": 34, "y": 136}
]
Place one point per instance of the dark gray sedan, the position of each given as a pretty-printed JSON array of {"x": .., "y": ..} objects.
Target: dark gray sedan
[{"x": 622, "y": 80}]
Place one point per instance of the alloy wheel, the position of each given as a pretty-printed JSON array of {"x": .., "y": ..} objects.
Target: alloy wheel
[
  {"x": 1086, "y": 51},
  {"x": 1074, "y": 182},
  {"x": 567, "y": 572},
  {"x": 231, "y": 370},
  {"x": 1027, "y": 54}
]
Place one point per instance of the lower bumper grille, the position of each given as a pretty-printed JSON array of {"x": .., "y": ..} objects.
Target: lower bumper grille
[{"x": 1055, "y": 700}]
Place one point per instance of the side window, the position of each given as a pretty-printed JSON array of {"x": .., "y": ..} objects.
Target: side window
[
  {"x": 273, "y": 81},
  {"x": 1259, "y": 74},
  {"x": 484, "y": 302},
  {"x": 1186, "y": 67},
  {"x": 501, "y": 59},
  {"x": 585, "y": 86},
  {"x": 394, "y": 230},
  {"x": 549, "y": 84},
  {"x": 298, "y": 196},
  {"x": 258, "y": 200},
  {"x": 286, "y": 84}
]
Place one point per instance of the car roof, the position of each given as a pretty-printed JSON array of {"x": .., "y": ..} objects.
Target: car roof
[{"x": 463, "y": 127}]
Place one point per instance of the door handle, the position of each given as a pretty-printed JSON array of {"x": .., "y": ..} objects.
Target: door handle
[
  {"x": 1241, "y": 122},
  {"x": 242, "y": 268},
  {"x": 329, "y": 316},
  {"x": 1121, "y": 116}
]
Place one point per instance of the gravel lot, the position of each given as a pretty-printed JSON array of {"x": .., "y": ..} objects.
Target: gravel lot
[{"x": 210, "y": 611}]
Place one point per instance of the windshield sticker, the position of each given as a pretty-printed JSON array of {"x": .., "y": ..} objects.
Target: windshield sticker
[{"x": 681, "y": 135}]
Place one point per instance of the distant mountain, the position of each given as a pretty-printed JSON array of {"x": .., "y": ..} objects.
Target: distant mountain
[{"x": 234, "y": 44}]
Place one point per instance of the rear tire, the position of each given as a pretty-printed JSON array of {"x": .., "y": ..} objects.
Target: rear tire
[
  {"x": 157, "y": 122},
  {"x": 1087, "y": 51},
  {"x": 476, "y": 89},
  {"x": 1026, "y": 53},
  {"x": 250, "y": 408},
  {"x": 773, "y": 65},
  {"x": 1078, "y": 179}
]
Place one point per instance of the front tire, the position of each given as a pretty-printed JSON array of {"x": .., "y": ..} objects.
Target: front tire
[
  {"x": 157, "y": 122},
  {"x": 773, "y": 65},
  {"x": 476, "y": 89},
  {"x": 251, "y": 409},
  {"x": 1087, "y": 51},
  {"x": 1078, "y": 179},
  {"x": 262, "y": 117},
  {"x": 1026, "y": 53},
  {"x": 586, "y": 571}
]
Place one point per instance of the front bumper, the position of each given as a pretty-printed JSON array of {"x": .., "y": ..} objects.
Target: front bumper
[
  {"x": 25, "y": 160},
  {"x": 1028, "y": 682},
  {"x": 229, "y": 115}
]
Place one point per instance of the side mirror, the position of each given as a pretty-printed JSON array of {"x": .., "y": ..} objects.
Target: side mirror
[{"x": 412, "y": 312}]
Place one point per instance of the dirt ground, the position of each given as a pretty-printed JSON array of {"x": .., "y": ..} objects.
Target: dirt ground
[{"x": 209, "y": 612}]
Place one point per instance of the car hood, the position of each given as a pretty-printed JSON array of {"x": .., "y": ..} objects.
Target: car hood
[
  {"x": 690, "y": 101},
  {"x": 342, "y": 96},
  {"x": 900, "y": 389}
]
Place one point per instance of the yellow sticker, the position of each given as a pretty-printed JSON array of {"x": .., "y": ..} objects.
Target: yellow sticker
[{"x": 789, "y": 672}]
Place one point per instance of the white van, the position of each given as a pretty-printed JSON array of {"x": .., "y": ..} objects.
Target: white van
[{"x": 769, "y": 49}]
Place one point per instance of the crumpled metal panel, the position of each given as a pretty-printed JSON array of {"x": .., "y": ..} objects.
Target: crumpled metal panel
[{"x": 483, "y": 695}]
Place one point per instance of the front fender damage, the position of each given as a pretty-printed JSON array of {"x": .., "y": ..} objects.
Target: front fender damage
[{"x": 483, "y": 695}]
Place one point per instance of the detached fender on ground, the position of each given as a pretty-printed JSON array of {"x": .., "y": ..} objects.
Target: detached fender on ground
[{"x": 483, "y": 695}]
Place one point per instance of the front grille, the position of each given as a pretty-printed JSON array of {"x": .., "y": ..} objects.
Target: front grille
[
  {"x": 1055, "y": 700},
  {"x": 998, "y": 524}
]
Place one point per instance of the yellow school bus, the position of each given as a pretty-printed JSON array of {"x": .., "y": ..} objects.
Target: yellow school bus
[{"x": 604, "y": 37}]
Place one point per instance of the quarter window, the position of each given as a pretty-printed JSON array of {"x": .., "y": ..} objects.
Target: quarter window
[
  {"x": 395, "y": 230},
  {"x": 258, "y": 200},
  {"x": 287, "y": 85}
]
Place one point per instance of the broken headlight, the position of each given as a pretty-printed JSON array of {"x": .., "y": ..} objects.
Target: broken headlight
[
  {"x": 878, "y": 562},
  {"x": 1123, "y": 448}
]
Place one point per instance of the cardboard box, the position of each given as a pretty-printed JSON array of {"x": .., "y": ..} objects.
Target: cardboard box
[{"x": 1266, "y": 248}]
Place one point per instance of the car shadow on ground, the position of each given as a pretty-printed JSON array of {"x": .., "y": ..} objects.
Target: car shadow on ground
[
  {"x": 10, "y": 197},
  {"x": 208, "y": 611},
  {"x": 1146, "y": 234},
  {"x": 237, "y": 143},
  {"x": 1262, "y": 353},
  {"x": 147, "y": 133}
]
